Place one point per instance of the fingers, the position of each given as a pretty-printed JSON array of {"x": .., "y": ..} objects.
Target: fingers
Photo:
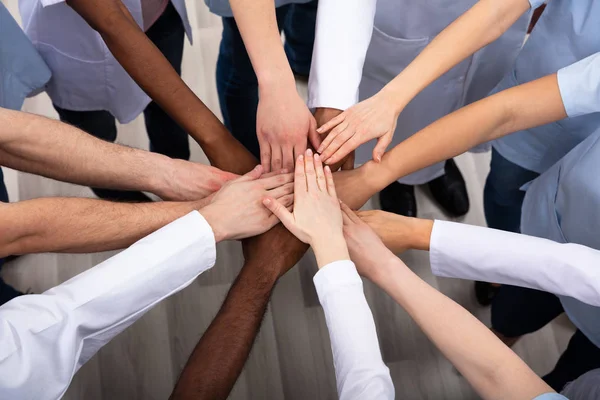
[
  {"x": 309, "y": 170},
  {"x": 276, "y": 158},
  {"x": 342, "y": 138},
  {"x": 275, "y": 181},
  {"x": 381, "y": 146},
  {"x": 321, "y": 183},
  {"x": 327, "y": 142},
  {"x": 347, "y": 148},
  {"x": 299, "y": 150},
  {"x": 313, "y": 136},
  {"x": 300, "y": 187},
  {"x": 329, "y": 182},
  {"x": 332, "y": 123},
  {"x": 252, "y": 175},
  {"x": 349, "y": 162},
  {"x": 275, "y": 173},
  {"x": 283, "y": 190},
  {"x": 351, "y": 214},
  {"x": 287, "y": 201},
  {"x": 288, "y": 157},
  {"x": 281, "y": 212},
  {"x": 345, "y": 217},
  {"x": 265, "y": 156}
]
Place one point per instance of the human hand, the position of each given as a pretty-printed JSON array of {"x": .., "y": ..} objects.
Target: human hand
[
  {"x": 399, "y": 233},
  {"x": 373, "y": 118},
  {"x": 316, "y": 219},
  {"x": 366, "y": 248},
  {"x": 322, "y": 116},
  {"x": 283, "y": 124},
  {"x": 236, "y": 210},
  {"x": 182, "y": 180},
  {"x": 355, "y": 187}
]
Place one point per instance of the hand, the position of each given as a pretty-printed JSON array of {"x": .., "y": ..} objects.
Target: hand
[
  {"x": 366, "y": 248},
  {"x": 283, "y": 124},
  {"x": 316, "y": 219},
  {"x": 373, "y": 118},
  {"x": 189, "y": 181},
  {"x": 236, "y": 211},
  {"x": 322, "y": 116},
  {"x": 397, "y": 232}
]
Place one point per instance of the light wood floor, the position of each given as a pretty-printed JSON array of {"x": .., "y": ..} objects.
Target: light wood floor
[{"x": 291, "y": 358}]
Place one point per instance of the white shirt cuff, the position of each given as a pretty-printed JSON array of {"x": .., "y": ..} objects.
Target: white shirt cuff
[
  {"x": 579, "y": 85},
  {"x": 334, "y": 276}
]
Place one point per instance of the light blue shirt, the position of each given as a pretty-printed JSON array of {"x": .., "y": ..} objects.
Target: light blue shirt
[
  {"x": 551, "y": 396},
  {"x": 22, "y": 70},
  {"x": 562, "y": 205},
  {"x": 563, "y": 40},
  {"x": 223, "y": 9}
]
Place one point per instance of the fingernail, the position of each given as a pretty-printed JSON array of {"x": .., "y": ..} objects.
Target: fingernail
[
  {"x": 300, "y": 157},
  {"x": 309, "y": 152},
  {"x": 317, "y": 156},
  {"x": 320, "y": 129},
  {"x": 327, "y": 169}
]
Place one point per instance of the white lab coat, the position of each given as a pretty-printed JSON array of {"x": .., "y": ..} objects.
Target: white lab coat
[
  {"x": 477, "y": 253},
  {"x": 45, "y": 339},
  {"x": 399, "y": 31},
  {"x": 85, "y": 75}
]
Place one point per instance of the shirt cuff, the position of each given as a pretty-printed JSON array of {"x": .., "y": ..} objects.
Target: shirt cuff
[
  {"x": 46, "y": 3},
  {"x": 579, "y": 86},
  {"x": 334, "y": 276}
]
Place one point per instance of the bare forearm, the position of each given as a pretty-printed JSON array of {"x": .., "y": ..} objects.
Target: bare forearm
[
  {"x": 81, "y": 225},
  {"x": 485, "y": 22},
  {"x": 494, "y": 370},
  {"x": 153, "y": 73},
  {"x": 525, "y": 106}
]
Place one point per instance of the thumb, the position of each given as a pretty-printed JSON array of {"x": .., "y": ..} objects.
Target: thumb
[
  {"x": 314, "y": 138},
  {"x": 380, "y": 147},
  {"x": 252, "y": 175},
  {"x": 286, "y": 217}
]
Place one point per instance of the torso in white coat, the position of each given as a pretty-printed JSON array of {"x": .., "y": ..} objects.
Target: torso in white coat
[{"x": 402, "y": 30}]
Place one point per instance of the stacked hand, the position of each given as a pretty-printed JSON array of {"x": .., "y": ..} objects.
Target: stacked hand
[
  {"x": 316, "y": 218},
  {"x": 236, "y": 210},
  {"x": 373, "y": 118}
]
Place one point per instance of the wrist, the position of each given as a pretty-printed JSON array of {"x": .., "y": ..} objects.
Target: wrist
[
  {"x": 276, "y": 80},
  {"x": 160, "y": 182},
  {"x": 396, "y": 98},
  {"x": 328, "y": 250},
  {"x": 387, "y": 265},
  {"x": 375, "y": 176},
  {"x": 215, "y": 221},
  {"x": 420, "y": 237}
]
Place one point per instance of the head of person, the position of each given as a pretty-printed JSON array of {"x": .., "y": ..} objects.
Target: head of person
[{"x": 586, "y": 387}]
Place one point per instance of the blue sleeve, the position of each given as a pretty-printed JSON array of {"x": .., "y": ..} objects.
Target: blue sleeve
[
  {"x": 579, "y": 85},
  {"x": 551, "y": 396},
  {"x": 536, "y": 3}
]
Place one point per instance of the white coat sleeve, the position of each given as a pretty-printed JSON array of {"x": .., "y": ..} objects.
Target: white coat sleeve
[
  {"x": 579, "y": 86},
  {"x": 342, "y": 37},
  {"x": 490, "y": 255},
  {"x": 46, "y": 338},
  {"x": 359, "y": 370}
]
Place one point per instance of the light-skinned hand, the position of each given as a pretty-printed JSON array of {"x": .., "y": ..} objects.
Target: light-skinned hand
[
  {"x": 366, "y": 248},
  {"x": 322, "y": 116},
  {"x": 316, "y": 219},
  {"x": 399, "y": 233},
  {"x": 373, "y": 118},
  {"x": 236, "y": 210},
  {"x": 283, "y": 124}
]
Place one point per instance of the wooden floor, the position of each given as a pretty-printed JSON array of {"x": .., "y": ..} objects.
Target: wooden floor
[{"x": 291, "y": 358}]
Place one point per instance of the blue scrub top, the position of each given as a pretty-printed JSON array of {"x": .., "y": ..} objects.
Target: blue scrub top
[{"x": 567, "y": 32}]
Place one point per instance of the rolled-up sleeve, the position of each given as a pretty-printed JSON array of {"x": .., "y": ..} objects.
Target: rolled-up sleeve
[
  {"x": 342, "y": 37},
  {"x": 45, "y": 339},
  {"x": 579, "y": 86},
  {"x": 359, "y": 370},
  {"x": 484, "y": 254}
]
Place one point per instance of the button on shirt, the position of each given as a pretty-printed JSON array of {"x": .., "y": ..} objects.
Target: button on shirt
[
  {"x": 359, "y": 370},
  {"x": 568, "y": 31},
  {"x": 85, "y": 75},
  {"x": 45, "y": 339}
]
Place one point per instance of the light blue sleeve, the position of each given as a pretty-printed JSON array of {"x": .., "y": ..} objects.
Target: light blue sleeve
[
  {"x": 536, "y": 3},
  {"x": 579, "y": 86},
  {"x": 551, "y": 396}
]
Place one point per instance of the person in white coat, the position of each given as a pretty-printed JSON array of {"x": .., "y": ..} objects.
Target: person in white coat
[
  {"x": 391, "y": 47},
  {"x": 45, "y": 339}
]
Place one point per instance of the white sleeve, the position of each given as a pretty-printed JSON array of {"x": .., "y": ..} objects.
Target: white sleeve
[
  {"x": 359, "y": 370},
  {"x": 342, "y": 37},
  {"x": 45, "y": 339},
  {"x": 477, "y": 253},
  {"x": 579, "y": 86}
]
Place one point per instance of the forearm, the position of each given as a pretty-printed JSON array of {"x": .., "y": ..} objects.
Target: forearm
[
  {"x": 82, "y": 225},
  {"x": 490, "y": 367},
  {"x": 525, "y": 106},
  {"x": 483, "y": 23},
  {"x": 221, "y": 353},
  {"x": 257, "y": 22},
  {"x": 153, "y": 73}
]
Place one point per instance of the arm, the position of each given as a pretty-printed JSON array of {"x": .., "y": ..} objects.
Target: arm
[
  {"x": 376, "y": 117},
  {"x": 283, "y": 122},
  {"x": 153, "y": 73},
  {"x": 493, "y": 370},
  {"x": 50, "y": 148},
  {"x": 477, "y": 253},
  {"x": 79, "y": 316}
]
